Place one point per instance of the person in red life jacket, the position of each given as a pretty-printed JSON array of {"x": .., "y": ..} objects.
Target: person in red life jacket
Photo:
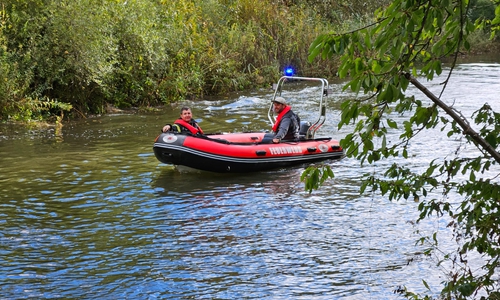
[
  {"x": 185, "y": 124},
  {"x": 287, "y": 123}
]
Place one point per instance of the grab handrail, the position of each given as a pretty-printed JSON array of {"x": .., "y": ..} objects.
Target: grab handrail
[{"x": 322, "y": 102}]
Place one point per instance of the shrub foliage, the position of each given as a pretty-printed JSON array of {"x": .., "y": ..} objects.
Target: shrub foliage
[{"x": 89, "y": 53}]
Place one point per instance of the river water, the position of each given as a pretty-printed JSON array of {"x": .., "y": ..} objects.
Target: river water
[{"x": 91, "y": 213}]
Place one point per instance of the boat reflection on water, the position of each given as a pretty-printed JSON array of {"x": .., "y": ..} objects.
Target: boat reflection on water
[{"x": 181, "y": 181}]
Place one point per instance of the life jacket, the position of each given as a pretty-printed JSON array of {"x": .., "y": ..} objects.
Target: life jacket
[
  {"x": 191, "y": 128},
  {"x": 294, "y": 127},
  {"x": 280, "y": 116}
]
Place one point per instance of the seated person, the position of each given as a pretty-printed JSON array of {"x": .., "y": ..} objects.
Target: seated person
[
  {"x": 184, "y": 124},
  {"x": 287, "y": 123}
]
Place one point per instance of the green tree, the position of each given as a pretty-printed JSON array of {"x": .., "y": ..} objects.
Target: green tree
[
  {"x": 407, "y": 40},
  {"x": 85, "y": 54}
]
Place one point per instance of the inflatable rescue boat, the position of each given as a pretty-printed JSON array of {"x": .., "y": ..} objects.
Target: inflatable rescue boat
[{"x": 250, "y": 151}]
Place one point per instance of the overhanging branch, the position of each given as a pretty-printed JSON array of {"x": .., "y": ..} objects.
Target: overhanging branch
[{"x": 467, "y": 130}]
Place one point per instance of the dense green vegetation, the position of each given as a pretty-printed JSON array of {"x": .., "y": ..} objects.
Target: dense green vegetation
[
  {"x": 80, "y": 55},
  {"x": 408, "y": 40}
]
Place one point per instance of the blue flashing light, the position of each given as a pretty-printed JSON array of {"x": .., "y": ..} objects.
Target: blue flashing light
[{"x": 289, "y": 71}]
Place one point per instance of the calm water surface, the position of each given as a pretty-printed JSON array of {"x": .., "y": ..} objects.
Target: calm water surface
[{"x": 93, "y": 215}]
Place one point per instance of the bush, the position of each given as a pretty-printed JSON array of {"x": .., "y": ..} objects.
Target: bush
[{"x": 90, "y": 53}]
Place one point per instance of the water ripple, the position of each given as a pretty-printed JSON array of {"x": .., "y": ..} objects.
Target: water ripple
[{"x": 94, "y": 216}]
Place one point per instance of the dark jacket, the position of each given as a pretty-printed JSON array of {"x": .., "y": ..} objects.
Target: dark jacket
[{"x": 288, "y": 128}]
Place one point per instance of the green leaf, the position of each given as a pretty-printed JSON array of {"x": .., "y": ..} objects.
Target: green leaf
[
  {"x": 437, "y": 67},
  {"x": 314, "y": 52},
  {"x": 343, "y": 70},
  {"x": 426, "y": 285},
  {"x": 467, "y": 289},
  {"x": 392, "y": 123}
]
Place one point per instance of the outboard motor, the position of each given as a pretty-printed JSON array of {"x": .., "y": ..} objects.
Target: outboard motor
[{"x": 304, "y": 127}]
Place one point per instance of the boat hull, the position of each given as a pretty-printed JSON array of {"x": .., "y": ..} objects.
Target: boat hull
[{"x": 241, "y": 152}]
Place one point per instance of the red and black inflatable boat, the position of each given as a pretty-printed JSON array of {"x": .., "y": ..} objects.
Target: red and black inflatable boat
[
  {"x": 250, "y": 151},
  {"x": 241, "y": 152}
]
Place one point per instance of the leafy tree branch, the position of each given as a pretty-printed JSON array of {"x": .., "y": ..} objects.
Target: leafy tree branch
[{"x": 408, "y": 40}]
